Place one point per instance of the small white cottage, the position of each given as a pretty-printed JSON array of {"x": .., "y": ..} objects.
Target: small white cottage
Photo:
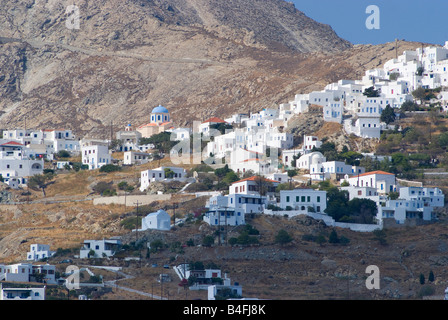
[{"x": 159, "y": 220}]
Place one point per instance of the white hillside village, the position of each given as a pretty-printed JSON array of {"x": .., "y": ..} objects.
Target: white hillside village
[{"x": 260, "y": 152}]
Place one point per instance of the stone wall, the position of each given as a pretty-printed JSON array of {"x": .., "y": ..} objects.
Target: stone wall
[{"x": 131, "y": 200}]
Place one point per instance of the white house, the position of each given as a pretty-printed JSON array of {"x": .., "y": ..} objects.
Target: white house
[
  {"x": 205, "y": 126},
  {"x": 309, "y": 159},
  {"x": 231, "y": 209},
  {"x": 337, "y": 169},
  {"x": 432, "y": 197},
  {"x": 383, "y": 182},
  {"x": 332, "y": 103},
  {"x": 159, "y": 220},
  {"x": 215, "y": 290},
  {"x": 95, "y": 155},
  {"x": 303, "y": 200},
  {"x": 25, "y": 272},
  {"x": 251, "y": 186},
  {"x": 129, "y": 138},
  {"x": 135, "y": 157},
  {"x": 52, "y": 140},
  {"x": 243, "y": 160},
  {"x": 362, "y": 193},
  {"x": 99, "y": 248},
  {"x": 39, "y": 251},
  {"x": 402, "y": 210},
  {"x": 15, "y": 164},
  {"x": 11, "y": 293},
  {"x": 180, "y": 134},
  {"x": 160, "y": 174},
  {"x": 412, "y": 203}
]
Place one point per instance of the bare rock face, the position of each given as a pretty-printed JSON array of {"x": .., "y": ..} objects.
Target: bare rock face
[{"x": 196, "y": 57}]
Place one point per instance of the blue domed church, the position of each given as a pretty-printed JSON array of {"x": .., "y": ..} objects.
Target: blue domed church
[{"x": 160, "y": 121}]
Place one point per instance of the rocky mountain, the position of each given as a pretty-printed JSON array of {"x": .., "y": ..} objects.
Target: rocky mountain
[{"x": 195, "y": 57}]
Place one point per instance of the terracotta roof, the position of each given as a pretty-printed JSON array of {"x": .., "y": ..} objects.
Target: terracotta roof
[
  {"x": 214, "y": 120},
  {"x": 154, "y": 124},
  {"x": 253, "y": 179},
  {"x": 376, "y": 172},
  {"x": 13, "y": 143}
]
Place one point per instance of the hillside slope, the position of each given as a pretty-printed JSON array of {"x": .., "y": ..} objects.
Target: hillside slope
[{"x": 196, "y": 57}]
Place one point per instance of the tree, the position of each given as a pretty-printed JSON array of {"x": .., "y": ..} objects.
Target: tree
[
  {"x": 409, "y": 106},
  {"x": 351, "y": 157},
  {"x": 422, "y": 279},
  {"x": 102, "y": 187},
  {"x": 283, "y": 237},
  {"x": 361, "y": 210},
  {"x": 380, "y": 236},
  {"x": 337, "y": 201},
  {"x": 320, "y": 240},
  {"x": 420, "y": 71},
  {"x": 333, "y": 238},
  {"x": 168, "y": 173},
  {"x": 222, "y": 172},
  {"x": 63, "y": 154},
  {"x": 431, "y": 276},
  {"x": 371, "y": 92},
  {"x": 291, "y": 174},
  {"x": 115, "y": 143},
  {"x": 230, "y": 177},
  {"x": 208, "y": 241},
  {"x": 263, "y": 185},
  {"x": 161, "y": 141},
  {"x": 388, "y": 115},
  {"x": 419, "y": 94},
  {"x": 443, "y": 140},
  {"x": 40, "y": 181}
]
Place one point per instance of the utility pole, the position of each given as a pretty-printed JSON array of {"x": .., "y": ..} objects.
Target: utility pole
[
  {"x": 396, "y": 48},
  {"x": 174, "y": 213},
  {"x": 219, "y": 227},
  {"x": 226, "y": 226},
  {"x": 136, "y": 223},
  {"x": 111, "y": 131}
]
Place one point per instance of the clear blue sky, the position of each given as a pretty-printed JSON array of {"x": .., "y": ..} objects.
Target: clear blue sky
[{"x": 411, "y": 20}]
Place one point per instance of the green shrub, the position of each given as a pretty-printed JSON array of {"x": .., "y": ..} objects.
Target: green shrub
[{"x": 110, "y": 168}]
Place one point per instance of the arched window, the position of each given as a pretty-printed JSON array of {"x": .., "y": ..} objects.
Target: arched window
[{"x": 36, "y": 166}]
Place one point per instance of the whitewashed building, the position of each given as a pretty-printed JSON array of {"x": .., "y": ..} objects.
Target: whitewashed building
[
  {"x": 305, "y": 200},
  {"x": 402, "y": 210},
  {"x": 431, "y": 197},
  {"x": 336, "y": 169},
  {"x": 136, "y": 158},
  {"x": 39, "y": 251},
  {"x": 25, "y": 272},
  {"x": 20, "y": 294},
  {"x": 15, "y": 165},
  {"x": 95, "y": 155},
  {"x": 161, "y": 174},
  {"x": 99, "y": 248},
  {"x": 383, "y": 182},
  {"x": 159, "y": 220},
  {"x": 231, "y": 209}
]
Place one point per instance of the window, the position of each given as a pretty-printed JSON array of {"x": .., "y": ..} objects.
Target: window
[
  {"x": 318, "y": 199},
  {"x": 287, "y": 198}
]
